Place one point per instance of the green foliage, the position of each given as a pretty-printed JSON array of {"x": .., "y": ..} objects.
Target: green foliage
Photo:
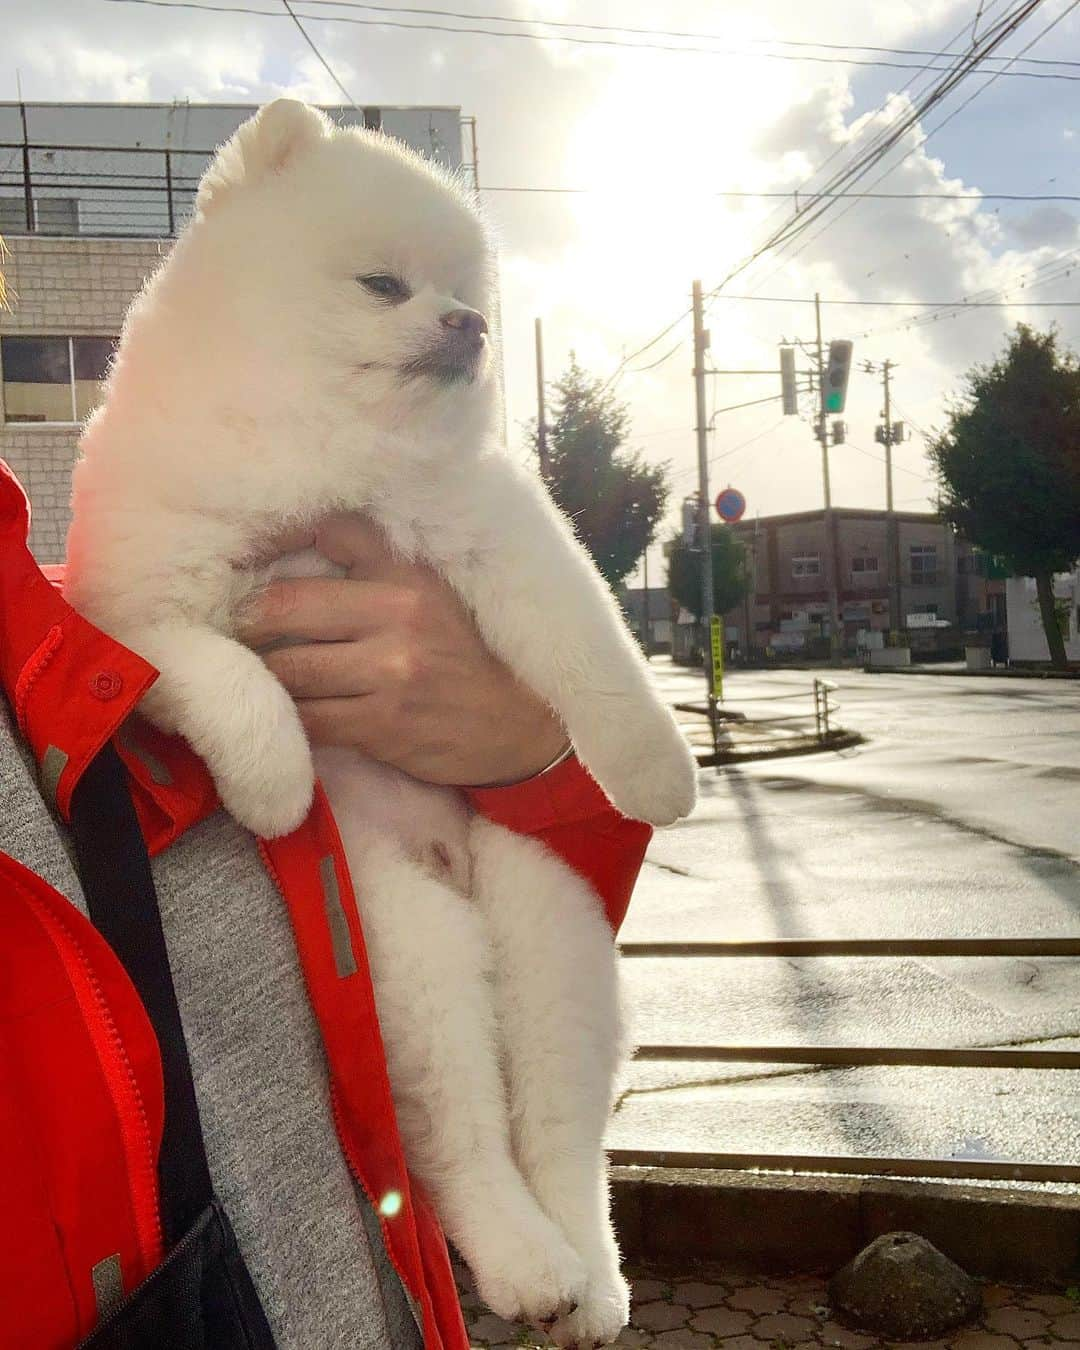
[
  {"x": 1009, "y": 464},
  {"x": 613, "y": 497},
  {"x": 1009, "y": 461},
  {"x": 731, "y": 577}
]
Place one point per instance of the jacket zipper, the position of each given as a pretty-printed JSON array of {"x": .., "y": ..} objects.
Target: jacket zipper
[
  {"x": 120, "y": 1077},
  {"x": 192, "y": 1236}
]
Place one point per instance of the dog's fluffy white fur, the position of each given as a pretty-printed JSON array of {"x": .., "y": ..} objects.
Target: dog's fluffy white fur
[{"x": 260, "y": 384}]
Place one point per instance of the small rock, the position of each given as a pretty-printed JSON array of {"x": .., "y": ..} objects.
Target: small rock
[{"x": 904, "y": 1289}]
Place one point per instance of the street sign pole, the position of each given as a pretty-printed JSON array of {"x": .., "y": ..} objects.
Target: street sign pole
[{"x": 716, "y": 652}]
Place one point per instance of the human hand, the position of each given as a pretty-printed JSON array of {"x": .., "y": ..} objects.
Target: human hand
[{"x": 390, "y": 662}]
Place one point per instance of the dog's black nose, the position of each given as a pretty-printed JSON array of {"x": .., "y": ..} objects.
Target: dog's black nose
[{"x": 469, "y": 321}]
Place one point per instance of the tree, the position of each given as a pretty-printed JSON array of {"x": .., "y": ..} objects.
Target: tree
[
  {"x": 731, "y": 576},
  {"x": 614, "y": 499},
  {"x": 1008, "y": 464}
]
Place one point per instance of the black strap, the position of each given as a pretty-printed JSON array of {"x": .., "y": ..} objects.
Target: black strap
[{"x": 123, "y": 906}]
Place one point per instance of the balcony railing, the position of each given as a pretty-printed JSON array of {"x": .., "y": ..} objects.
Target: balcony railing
[{"x": 114, "y": 192}]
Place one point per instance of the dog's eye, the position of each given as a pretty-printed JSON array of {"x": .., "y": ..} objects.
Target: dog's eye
[{"x": 385, "y": 286}]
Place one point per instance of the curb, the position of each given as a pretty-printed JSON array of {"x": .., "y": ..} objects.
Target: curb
[
  {"x": 1011, "y": 674},
  {"x": 674, "y": 1219},
  {"x": 838, "y": 740}
]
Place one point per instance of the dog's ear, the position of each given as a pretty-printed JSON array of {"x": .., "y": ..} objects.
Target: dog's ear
[{"x": 264, "y": 145}]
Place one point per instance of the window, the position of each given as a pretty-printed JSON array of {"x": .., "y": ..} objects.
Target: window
[
  {"x": 806, "y": 565},
  {"x": 52, "y": 215},
  {"x": 862, "y": 565},
  {"x": 971, "y": 564},
  {"x": 53, "y": 379},
  {"x": 12, "y": 214},
  {"x": 924, "y": 565}
]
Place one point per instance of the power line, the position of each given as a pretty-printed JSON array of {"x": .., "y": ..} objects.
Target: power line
[
  {"x": 877, "y": 151},
  {"x": 733, "y": 450},
  {"x": 690, "y": 35},
  {"x": 922, "y": 477},
  {"x": 1013, "y": 25},
  {"x": 881, "y": 144},
  {"x": 778, "y": 195},
  {"x": 319, "y": 56},
  {"x": 910, "y": 87},
  {"x": 907, "y": 304},
  {"x": 549, "y": 37},
  {"x": 1055, "y": 269}
]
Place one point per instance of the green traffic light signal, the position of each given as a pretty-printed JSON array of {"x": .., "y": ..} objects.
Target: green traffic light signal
[{"x": 836, "y": 375}]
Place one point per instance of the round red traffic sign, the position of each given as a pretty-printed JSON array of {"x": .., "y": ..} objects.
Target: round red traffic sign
[{"x": 730, "y": 505}]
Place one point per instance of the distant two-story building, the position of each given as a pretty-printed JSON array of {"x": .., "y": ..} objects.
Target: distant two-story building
[{"x": 940, "y": 583}]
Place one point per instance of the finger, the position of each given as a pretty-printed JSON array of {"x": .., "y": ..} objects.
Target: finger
[
  {"x": 344, "y": 721},
  {"x": 318, "y": 609},
  {"x": 327, "y": 669}
]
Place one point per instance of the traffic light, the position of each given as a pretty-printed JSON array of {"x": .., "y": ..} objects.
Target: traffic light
[
  {"x": 839, "y": 431},
  {"x": 788, "y": 392},
  {"x": 691, "y": 516},
  {"x": 836, "y": 375}
]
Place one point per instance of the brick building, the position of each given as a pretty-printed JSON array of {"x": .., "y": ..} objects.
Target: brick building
[
  {"x": 940, "y": 579},
  {"x": 91, "y": 196}
]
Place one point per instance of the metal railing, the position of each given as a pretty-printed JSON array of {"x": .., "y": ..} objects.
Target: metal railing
[
  {"x": 753, "y": 731},
  {"x": 103, "y": 191}
]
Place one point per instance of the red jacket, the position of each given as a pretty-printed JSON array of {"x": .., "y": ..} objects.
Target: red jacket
[{"x": 70, "y": 688}]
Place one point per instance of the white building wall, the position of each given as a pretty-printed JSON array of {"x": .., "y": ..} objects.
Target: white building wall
[{"x": 1027, "y": 640}]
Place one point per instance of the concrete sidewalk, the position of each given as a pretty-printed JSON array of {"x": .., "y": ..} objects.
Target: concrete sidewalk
[{"x": 719, "y": 1310}]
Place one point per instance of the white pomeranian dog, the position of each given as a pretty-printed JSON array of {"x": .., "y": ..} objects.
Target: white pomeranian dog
[{"x": 316, "y": 343}]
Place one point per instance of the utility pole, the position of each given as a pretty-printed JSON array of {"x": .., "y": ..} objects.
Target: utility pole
[
  {"x": 701, "y": 345},
  {"x": 645, "y": 597},
  {"x": 888, "y": 434},
  {"x": 823, "y": 437},
  {"x": 541, "y": 425},
  {"x": 892, "y": 527}
]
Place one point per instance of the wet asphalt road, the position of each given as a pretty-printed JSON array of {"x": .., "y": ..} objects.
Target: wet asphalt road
[{"x": 960, "y": 817}]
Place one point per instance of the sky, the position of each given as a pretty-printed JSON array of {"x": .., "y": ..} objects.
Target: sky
[{"x": 654, "y": 137}]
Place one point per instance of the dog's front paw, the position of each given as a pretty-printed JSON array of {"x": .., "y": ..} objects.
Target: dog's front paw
[
  {"x": 267, "y": 781},
  {"x": 526, "y": 1271},
  {"x": 648, "y": 771},
  {"x": 599, "y": 1317}
]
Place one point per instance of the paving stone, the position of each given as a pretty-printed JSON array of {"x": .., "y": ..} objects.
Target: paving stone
[
  {"x": 696, "y": 1294},
  {"x": 783, "y": 1327},
  {"x": 996, "y": 1295},
  {"x": 1054, "y": 1305},
  {"x": 721, "y": 1322},
  {"x": 756, "y": 1299},
  {"x": 1066, "y": 1328},
  {"x": 832, "y": 1333},
  {"x": 660, "y": 1316},
  {"x": 682, "y": 1338},
  {"x": 645, "y": 1290},
  {"x": 918, "y": 1345},
  {"x": 813, "y": 1303},
  {"x": 976, "y": 1339},
  {"x": 629, "y": 1336},
  {"x": 1019, "y": 1322},
  {"x": 740, "y": 1343}
]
